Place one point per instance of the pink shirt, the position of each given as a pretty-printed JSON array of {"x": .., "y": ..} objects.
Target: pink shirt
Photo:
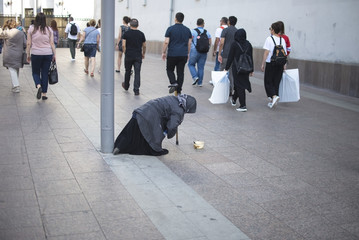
[{"x": 40, "y": 42}]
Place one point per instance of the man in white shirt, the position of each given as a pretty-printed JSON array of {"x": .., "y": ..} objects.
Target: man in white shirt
[
  {"x": 223, "y": 25},
  {"x": 72, "y": 35}
]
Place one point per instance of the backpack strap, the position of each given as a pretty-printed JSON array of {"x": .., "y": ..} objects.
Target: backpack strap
[{"x": 275, "y": 44}]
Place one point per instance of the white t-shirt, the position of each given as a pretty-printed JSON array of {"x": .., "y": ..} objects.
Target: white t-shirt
[
  {"x": 218, "y": 34},
  {"x": 68, "y": 29},
  {"x": 269, "y": 45}
]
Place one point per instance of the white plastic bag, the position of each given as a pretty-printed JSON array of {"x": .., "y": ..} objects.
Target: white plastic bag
[
  {"x": 220, "y": 93},
  {"x": 289, "y": 86}
]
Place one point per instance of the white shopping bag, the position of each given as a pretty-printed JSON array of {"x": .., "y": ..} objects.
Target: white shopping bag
[
  {"x": 220, "y": 91},
  {"x": 289, "y": 86}
]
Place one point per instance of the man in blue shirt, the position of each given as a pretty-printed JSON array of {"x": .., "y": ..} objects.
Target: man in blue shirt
[
  {"x": 197, "y": 56},
  {"x": 178, "y": 40}
]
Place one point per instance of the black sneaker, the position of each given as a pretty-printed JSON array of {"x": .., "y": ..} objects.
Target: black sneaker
[
  {"x": 123, "y": 86},
  {"x": 173, "y": 87},
  {"x": 242, "y": 109},
  {"x": 233, "y": 102},
  {"x": 137, "y": 93}
]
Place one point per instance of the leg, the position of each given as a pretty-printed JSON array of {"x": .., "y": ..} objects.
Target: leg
[
  {"x": 170, "y": 68},
  {"x": 36, "y": 62},
  {"x": 268, "y": 80},
  {"x": 119, "y": 61},
  {"x": 180, "y": 72},
  {"x": 45, "y": 73},
  {"x": 200, "y": 65},
  {"x": 137, "y": 81},
  {"x": 87, "y": 65},
  {"x": 242, "y": 96},
  {"x": 72, "y": 45},
  {"x": 128, "y": 67},
  {"x": 93, "y": 65},
  {"x": 236, "y": 87},
  {"x": 277, "y": 77},
  {"x": 216, "y": 67},
  {"x": 14, "y": 74},
  {"x": 192, "y": 64}
]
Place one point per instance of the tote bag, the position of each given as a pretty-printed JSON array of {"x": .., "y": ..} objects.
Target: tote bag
[
  {"x": 220, "y": 93},
  {"x": 53, "y": 76},
  {"x": 289, "y": 86}
]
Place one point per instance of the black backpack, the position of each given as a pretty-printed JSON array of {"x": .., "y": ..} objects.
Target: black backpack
[
  {"x": 202, "y": 45},
  {"x": 73, "y": 29},
  {"x": 245, "y": 63},
  {"x": 279, "y": 56}
]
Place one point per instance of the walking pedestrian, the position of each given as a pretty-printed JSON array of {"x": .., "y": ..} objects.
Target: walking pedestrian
[
  {"x": 223, "y": 24},
  {"x": 176, "y": 48},
  {"x": 151, "y": 123},
  {"x": 14, "y": 45},
  {"x": 198, "y": 54},
  {"x": 241, "y": 81},
  {"x": 227, "y": 38},
  {"x": 134, "y": 47},
  {"x": 272, "y": 72},
  {"x": 72, "y": 32},
  {"x": 55, "y": 30},
  {"x": 40, "y": 43},
  {"x": 91, "y": 39},
  {"x": 123, "y": 28}
]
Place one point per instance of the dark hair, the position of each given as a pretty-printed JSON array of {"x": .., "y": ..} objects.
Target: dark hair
[
  {"x": 40, "y": 22},
  {"x": 200, "y": 21},
  {"x": 32, "y": 21},
  {"x": 126, "y": 19},
  {"x": 98, "y": 23},
  {"x": 179, "y": 17},
  {"x": 87, "y": 24},
  {"x": 71, "y": 19},
  {"x": 134, "y": 23},
  {"x": 276, "y": 27},
  {"x": 281, "y": 27},
  {"x": 232, "y": 20},
  {"x": 53, "y": 25},
  {"x": 224, "y": 20}
]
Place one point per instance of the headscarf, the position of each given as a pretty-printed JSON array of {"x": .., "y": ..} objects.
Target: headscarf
[
  {"x": 187, "y": 102},
  {"x": 241, "y": 37}
]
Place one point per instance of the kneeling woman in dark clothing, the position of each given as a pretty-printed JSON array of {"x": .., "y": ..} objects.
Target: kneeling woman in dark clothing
[
  {"x": 150, "y": 123},
  {"x": 241, "y": 80}
]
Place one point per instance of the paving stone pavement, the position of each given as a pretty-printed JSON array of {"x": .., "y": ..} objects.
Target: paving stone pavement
[{"x": 288, "y": 173}]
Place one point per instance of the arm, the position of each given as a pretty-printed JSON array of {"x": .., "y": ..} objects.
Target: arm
[
  {"x": 98, "y": 42},
  {"x": 189, "y": 47},
  {"x": 28, "y": 46},
  {"x": 265, "y": 55},
  {"x": 230, "y": 57},
  {"x": 143, "y": 50},
  {"x": 172, "y": 124},
  {"x": 53, "y": 47},
  {"x": 124, "y": 45},
  {"x": 164, "y": 48},
  {"x": 210, "y": 42},
  {"x": 220, "y": 50},
  {"x": 216, "y": 42},
  {"x": 82, "y": 38},
  {"x": 119, "y": 37}
]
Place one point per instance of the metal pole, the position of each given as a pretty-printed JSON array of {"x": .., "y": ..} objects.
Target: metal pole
[{"x": 107, "y": 75}]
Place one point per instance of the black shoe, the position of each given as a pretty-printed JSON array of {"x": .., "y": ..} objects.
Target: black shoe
[
  {"x": 39, "y": 91},
  {"x": 173, "y": 87},
  {"x": 137, "y": 93},
  {"x": 116, "y": 151},
  {"x": 44, "y": 98},
  {"x": 123, "y": 85},
  {"x": 117, "y": 71}
]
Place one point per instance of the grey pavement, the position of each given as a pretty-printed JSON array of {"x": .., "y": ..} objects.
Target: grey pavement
[{"x": 288, "y": 173}]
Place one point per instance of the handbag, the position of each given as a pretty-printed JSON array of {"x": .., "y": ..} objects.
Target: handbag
[
  {"x": 24, "y": 58},
  {"x": 289, "y": 86},
  {"x": 53, "y": 76}
]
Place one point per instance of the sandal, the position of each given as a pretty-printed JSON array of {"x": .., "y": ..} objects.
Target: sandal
[
  {"x": 91, "y": 74},
  {"x": 86, "y": 71}
]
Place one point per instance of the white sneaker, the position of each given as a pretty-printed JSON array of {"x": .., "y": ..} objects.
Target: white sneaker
[
  {"x": 195, "y": 80},
  {"x": 275, "y": 101},
  {"x": 210, "y": 82},
  {"x": 16, "y": 89},
  {"x": 270, "y": 105},
  {"x": 233, "y": 103},
  {"x": 199, "y": 85},
  {"x": 242, "y": 109},
  {"x": 73, "y": 59}
]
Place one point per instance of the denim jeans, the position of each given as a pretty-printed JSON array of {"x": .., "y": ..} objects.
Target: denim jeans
[
  {"x": 136, "y": 63},
  {"x": 199, "y": 59},
  {"x": 40, "y": 69},
  {"x": 217, "y": 63}
]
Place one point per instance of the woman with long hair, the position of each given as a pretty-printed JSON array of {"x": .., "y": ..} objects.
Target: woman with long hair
[
  {"x": 14, "y": 45},
  {"x": 55, "y": 31},
  {"x": 40, "y": 42}
]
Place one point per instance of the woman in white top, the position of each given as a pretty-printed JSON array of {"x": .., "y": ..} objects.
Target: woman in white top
[{"x": 272, "y": 72}]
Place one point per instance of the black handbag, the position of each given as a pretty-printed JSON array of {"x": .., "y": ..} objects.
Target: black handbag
[{"x": 53, "y": 76}]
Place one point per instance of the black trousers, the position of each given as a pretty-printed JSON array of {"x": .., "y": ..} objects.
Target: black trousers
[
  {"x": 136, "y": 63},
  {"x": 272, "y": 77},
  {"x": 178, "y": 63},
  {"x": 72, "y": 45}
]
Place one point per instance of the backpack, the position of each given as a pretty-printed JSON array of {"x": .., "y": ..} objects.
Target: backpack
[
  {"x": 202, "y": 45},
  {"x": 73, "y": 29},
  {"x": 279, "y": 56},
  {"x": 245, "y": 63}
]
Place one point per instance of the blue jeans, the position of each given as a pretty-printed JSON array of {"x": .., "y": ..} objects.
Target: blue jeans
[
  {"x": 218, "y": 64},
  {"x": 40, "y": 69},
  {"x": 199, "y": 59}
]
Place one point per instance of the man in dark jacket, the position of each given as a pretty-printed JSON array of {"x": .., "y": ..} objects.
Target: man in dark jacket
[{"x": 150, "y": 123}]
